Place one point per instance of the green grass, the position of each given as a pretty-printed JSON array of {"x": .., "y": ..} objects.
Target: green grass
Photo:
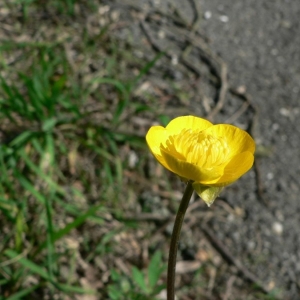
[
  {"x": 138, "y": 285},
  {"x": 74, "y": 167},
  {"x": 61, "y": 164}
]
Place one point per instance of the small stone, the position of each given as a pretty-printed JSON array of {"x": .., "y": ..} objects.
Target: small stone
[
  {"x": 271, "y": 285},
  {"x": 251, "y": 245},
  {"x": 241, "y": 89},
  {"x": 275, "y": 126},
  {"x": 174, "y": 60},
  {"x": 286, "y": 24},
  {"x": 277, "y": 228},
  {"x": 284, "y": 112},
  {"x": 224, "y": 19},
  {"x": 230, "y": 218},
  {"x": 207, "y": 15},
  {"x": 161, "y": 34},
  {"x": 132, "y": 159},
  {"x": 103, "y": 9},
  {"x": 270, "y": 176},
  {"x": 115, "y": 15}
]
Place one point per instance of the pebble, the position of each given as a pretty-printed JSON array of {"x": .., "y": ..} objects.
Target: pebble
[
  {"x": 284, "y": 112},
  {"x": 132, "y": 159},
  {"x": 251, "y": 245},
  {"x": 274, "y": 51},
  {"x": 275, "y": 126},
  {"x": 207, "y": 15},
  {"x": 174, "y": 60},
  {"x": 161, "y": 34},
  {"x": 277, "y": 228},
  {"x": 224, "y": 19}
]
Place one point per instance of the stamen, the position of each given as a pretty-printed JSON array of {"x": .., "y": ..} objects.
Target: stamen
[{"x": 198, "y": 148}]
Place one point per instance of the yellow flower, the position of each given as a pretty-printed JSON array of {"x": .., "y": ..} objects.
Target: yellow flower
[{"x": 211, "y": 156}]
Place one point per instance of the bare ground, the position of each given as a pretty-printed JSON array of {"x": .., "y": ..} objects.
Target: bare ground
[
  {"x": 230, "y": 62},
  {"x": 238, "y": 62}
]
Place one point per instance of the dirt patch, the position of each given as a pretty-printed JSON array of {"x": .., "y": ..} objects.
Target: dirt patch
[
  {"x": 238, "y": 64},
  {"x": 223, "y": 60}
]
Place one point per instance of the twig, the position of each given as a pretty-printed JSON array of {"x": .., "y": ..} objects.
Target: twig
[
  {"x": 217, "y": 65},
  {"x": 151, "y": 40},
  {"x": 198, "y": 18},
  {"x": 210, "y": 58},
  {"x": 252, "y": 130},
  {"x": 222, "y": 92},
  {"x": 238, "y": 113},
  {"x": 225, "y": 253},
  {"x": 229, "y": 285},
  {"x": 192, "y": 29},
  {"x": 259, "y": 185},
  {"x": 146, "y": 217},
  {"x": 247, "y": 98}
]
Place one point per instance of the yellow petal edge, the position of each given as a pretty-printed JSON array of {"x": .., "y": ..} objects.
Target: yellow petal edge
[{"x": 208, "y": 180}]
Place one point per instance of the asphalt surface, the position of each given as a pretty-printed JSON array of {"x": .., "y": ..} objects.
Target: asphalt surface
[{"x": 259, "y": 40}]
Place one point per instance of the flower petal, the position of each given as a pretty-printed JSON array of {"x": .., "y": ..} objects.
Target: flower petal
[
  {"x": 238, "y": 166},
  {"x": 190, "y": 171},
  {"x": 207, "y": 193},
  {"x": 156, "y": 136},
  {"x": 187, "y": 122},
  {"x": 238, "y": 140}
]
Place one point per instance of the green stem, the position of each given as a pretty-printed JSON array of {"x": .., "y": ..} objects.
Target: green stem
[{"x": 175, "y": 240}]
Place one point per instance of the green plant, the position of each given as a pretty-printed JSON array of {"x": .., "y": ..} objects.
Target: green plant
[
  {"x": 139, "y": 285},
  {"x": 60, "y": 164}
]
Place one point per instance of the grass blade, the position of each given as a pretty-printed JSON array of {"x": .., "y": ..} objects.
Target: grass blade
[
  {"x": 34, "y": 268},
  {"x": 77, "y": 222},
  {"x": 23, "y": 293}
]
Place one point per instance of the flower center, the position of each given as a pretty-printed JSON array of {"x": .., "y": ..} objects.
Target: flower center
[{"x": 198, "y": 148}]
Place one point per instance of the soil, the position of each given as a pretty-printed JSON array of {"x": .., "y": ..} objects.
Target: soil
[
  {"x": 229, "y": 61},
  {"x": 242, "y": 66}
]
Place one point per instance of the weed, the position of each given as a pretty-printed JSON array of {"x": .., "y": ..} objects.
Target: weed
[{"x": 61, "y": 163}]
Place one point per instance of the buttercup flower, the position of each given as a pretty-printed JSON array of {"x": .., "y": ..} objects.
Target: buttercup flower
[{"x": 211, "y": 156}]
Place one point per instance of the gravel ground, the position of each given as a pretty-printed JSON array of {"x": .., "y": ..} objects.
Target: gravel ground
[{"x": 258, "y": 43}]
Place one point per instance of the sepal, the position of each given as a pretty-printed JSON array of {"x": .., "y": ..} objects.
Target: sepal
[{"x": 207, "y": 193}]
